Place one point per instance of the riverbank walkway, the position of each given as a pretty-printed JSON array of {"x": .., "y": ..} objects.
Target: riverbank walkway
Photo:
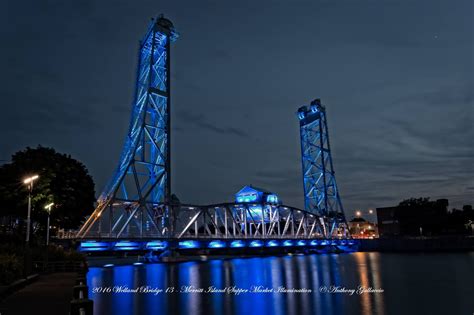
[{"x": 50, "y": 294}]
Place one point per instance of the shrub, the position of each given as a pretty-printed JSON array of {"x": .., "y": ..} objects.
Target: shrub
[{"x": 10, "y": 268}]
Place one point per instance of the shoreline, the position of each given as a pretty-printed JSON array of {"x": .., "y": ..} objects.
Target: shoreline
[{"x": 421, "y": 244}]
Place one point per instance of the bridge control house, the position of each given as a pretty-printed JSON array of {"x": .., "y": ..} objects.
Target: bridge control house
[
  {"x": 261, "y": 201},
  {"x": 255, "y": 194}
]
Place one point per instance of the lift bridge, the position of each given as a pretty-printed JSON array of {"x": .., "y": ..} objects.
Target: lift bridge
[{"x": 137, "y": 212}]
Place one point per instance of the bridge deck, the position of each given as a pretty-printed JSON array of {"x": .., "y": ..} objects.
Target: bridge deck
[{"x": 114, "y": 245}]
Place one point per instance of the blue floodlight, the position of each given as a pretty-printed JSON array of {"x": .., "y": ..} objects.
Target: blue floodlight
[
  {"x": 188, "y": 244},
  {"x": 247, "y": 198},
  {"x": 301, "y": 112},
  {"x": 313, "y": 243},
  {"x": 108, "y": 265},
  {"x": 256, "y": 244},
  {"x": 236, "y": 244},
  {"x": 287, "y": 243},
  {"x": 138, "y": 263},
  {"x": 154, "y": 245},
  {"x": 272, "y": 243},
  {"x": 216, "y": 244},
  {"x": 272, "y": 199},
  {"x": 126, "y": 245},
  {"x": 301, "y": 243},
  {"x": 93, "y": 246},
  {"x": 314, "y": 108},
  {"x": 98, "y": 249},
  {"x": 324, "y": 243}
]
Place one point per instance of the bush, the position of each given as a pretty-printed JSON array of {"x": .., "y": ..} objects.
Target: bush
[{"x": 10, "y": 268}]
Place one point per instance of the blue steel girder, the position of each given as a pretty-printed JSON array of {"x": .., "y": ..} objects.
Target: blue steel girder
[
  {"x": 141, "y": 182},
  {"x": 321, "y": 195},
  {"x": 246, "y": 221}
]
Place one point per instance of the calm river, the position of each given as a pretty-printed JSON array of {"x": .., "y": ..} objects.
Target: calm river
[{"x": 357, "y": 283}]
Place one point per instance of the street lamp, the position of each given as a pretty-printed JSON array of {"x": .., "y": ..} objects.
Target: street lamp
[
  {"x": 48, "y": 208},
  {"x": 358, "y": 213},
  {"x": 371, "y": 211},
  {"x": 29, "y": 181}
]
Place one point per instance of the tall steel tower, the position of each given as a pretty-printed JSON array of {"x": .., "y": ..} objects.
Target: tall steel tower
[
  {"x": 135, "y": 203},
  {"x": 321, "y": 195}
]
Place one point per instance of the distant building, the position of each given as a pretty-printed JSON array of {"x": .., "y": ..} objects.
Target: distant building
[
  {"x": 361, "y": 228},
  {"x": 388, "y": 223},
  {"x": 420, "y": 217}
]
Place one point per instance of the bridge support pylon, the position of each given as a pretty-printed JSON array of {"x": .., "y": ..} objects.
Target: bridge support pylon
[
  {"x": 321, "y": 195},
  {"x": 135, "y": 203}
]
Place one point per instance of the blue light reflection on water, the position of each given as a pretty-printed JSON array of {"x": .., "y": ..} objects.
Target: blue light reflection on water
[
  {"x": 247, "y": 273},
  {"x": 392, "y": 272},
  {"x": 155, "y": 277},
  {"x": 217, "y": 281}
]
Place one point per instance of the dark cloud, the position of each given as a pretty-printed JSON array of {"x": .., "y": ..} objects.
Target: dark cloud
[
  {"x": 397, "y": 87},
  {"x": 201, "y": 122}
]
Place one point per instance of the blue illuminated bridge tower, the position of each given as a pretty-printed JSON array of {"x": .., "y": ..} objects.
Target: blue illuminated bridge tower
[
  {"x": 136, "y": 211},
  {"x": 136, "y": 200},
  {"x": 321, "y": 195}
]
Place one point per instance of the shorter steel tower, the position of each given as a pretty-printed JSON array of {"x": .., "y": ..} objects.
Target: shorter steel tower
[{"x": 321, "y": 195}]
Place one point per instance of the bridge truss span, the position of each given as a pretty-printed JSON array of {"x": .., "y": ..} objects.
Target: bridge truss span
[
  {"x": 223, "y": 226},
  {"x": 234, "y": 220}
]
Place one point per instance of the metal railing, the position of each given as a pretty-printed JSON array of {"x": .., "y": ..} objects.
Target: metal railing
[{"x": 58, "y": 266}]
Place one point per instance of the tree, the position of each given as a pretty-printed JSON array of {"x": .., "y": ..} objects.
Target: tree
[
  {"x": 433, "y": 217},
  {"x": 416, "y": 213},
  {"x": 62, "y": 180}
]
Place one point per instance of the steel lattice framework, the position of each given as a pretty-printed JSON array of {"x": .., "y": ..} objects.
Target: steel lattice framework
[
  {"x": 139, "y": 191},
  {"x": 320, "y": 188},
  {"x": 136, "y": 211}
]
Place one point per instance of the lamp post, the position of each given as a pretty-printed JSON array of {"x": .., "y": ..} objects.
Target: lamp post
[
  {"x": 48, "y": 208},
  {"x": 29, "y": 181}
]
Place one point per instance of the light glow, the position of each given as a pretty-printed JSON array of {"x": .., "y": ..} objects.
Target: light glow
[
  {"x": 156, "y": 245},
  {"x": 256, "y": 244},
  {"x": 272, "y": 243},
  {"x": 188, "y": 244},
  {"x": 30, "y": 179},
  {"x": 216, "y": 244},
  {"x": 236, "y": 244}
]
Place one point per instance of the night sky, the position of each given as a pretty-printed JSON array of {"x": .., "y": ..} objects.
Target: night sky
[{"x": 396, "y": 77}]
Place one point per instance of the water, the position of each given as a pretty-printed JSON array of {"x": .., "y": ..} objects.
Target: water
[{"x": 411, "y": 283}]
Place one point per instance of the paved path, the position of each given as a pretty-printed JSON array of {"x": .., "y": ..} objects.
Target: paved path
[{"x": 50, "y": 294}]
